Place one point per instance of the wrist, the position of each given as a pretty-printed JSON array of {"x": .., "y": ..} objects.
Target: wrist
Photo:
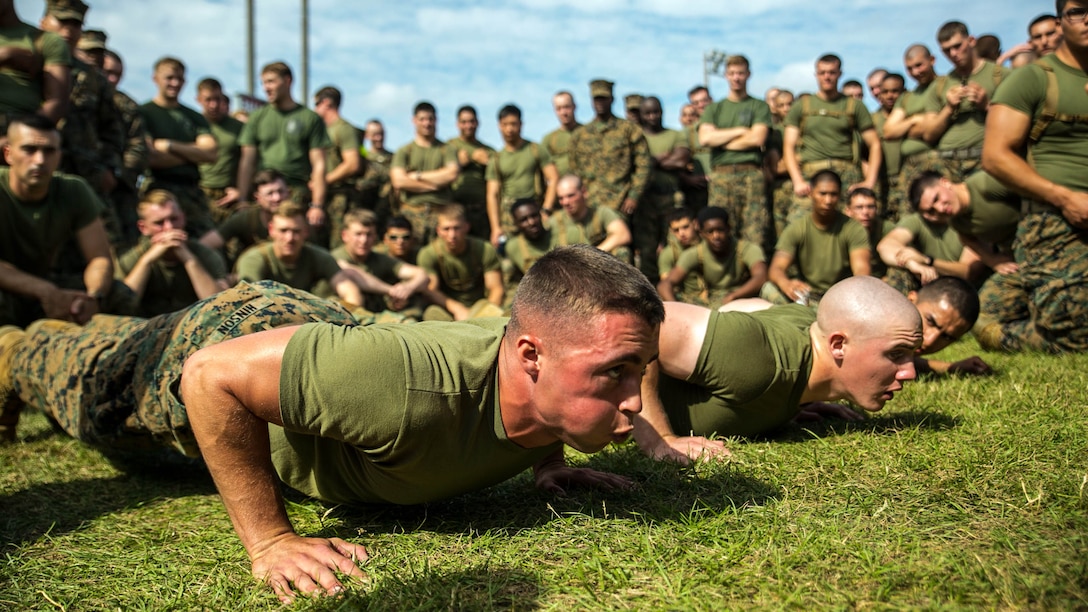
[{"x": 316, "y": 205}]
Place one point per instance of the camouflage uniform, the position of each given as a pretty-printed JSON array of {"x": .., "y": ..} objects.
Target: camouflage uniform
[
  {"x": 375, "y": 190},
  {"x": 125, "y": 197},
  {"x": 613, "y": 160},
  {"x": 114, "y": 382}
]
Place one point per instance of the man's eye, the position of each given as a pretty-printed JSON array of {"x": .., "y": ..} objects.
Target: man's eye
[{"x": 615, "y": 373}]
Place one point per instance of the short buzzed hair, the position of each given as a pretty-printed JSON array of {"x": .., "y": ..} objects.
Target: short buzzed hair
[
  {"x": 290, "y": 210},
  {"x": 451, "y": 211},
  {"x": 279, "y": 69},
  {"x": 423, "y": 107},
  {"x": 737, "y": 60},
  {"x": 950, "y": 29},
  {"x": 1040, "y": 19},
  {"x": 826, "y": 175},
  {"x": 957, "y": 292},
  {"x": 509, "y": 110},
  {"x": 169, "y": 62},
  {"x": 32, "y": 121},
  {"x": 209, "y": 84},
  {"x": 267, "y": 176},
  {"x": 362, "y": 216},
  {"x": 830, "y": 58},
  {"x": 329, "y": 93},
  {"x": 156, "y": 197},
  {"x": 920, "y": 184}
]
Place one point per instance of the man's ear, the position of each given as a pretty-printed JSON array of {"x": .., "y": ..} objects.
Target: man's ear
[
  {"x": 836, "y": 342},
  {"x": 527, "y": 347}
]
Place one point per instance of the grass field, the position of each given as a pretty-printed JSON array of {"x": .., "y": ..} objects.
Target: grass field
[{"x": 962, "y": 493}]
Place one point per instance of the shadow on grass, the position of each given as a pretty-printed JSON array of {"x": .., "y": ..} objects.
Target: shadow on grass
[
  {"x": 478, "y": 588},
  {"x": 878, "y": 425}
]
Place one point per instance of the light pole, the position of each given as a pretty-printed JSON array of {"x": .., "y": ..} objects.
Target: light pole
[{"x": 713, "y": 61}]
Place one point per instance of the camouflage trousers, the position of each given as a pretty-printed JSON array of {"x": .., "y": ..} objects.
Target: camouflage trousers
[
  {"x": 958, "y": 165},
  {"x": 114, "y": 382},
  {"x": 742, "y": 191},
  {"x": 193, "y": 202},
  {"x": 902, "y": 280},
  {"x": 421, "y": 215},
  {"x": 1044, "y": 306},
  {"x": 219, "y": 213},
  {"x": 338, "y": 201},
  {"x": 849, "y": 173},
  {"x": 780, "y": 202},
  {"x": 648, "y": 229},
  {"x": 910, "y": 169}
]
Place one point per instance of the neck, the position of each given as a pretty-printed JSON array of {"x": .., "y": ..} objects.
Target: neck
[
  {"x": 513, "y": 145},
  {"x": 162, "y": 101},
  {"x": 516, "y": 402},
  {"x": 819, "y": 387},
  {"x": 286, "y": 104},
  {"x": 27, "y": 193},
  {"x": 962, "y": 195},
  {"x": 330, "y": 117},
  {"x": 569, "y": 126},
  {"x": 424, "y": 141},
  {"x": 652, "y": 129},
  {"x": 284, "y": 258},
  {"x": 971, "y": 68},
  {"x": 605, "y": 116},
  {"x": 1077, "y": 58},
  {"x": 829, "y": 96},
  {"x": 824, "y": 221},
  {"x": 738, "y": 95}
]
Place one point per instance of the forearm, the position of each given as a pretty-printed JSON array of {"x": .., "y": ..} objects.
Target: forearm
[
  {"x": 14, "y": 280},
  {"x": 138, "y": 276},
  {"x": 652, "y": 423},
  {"x": 247, "y": 167},
  {"x": 936, "y": 124},
  {"x": 665, "y": 289},
  {"x": 98, "y": 276},
  {"x": 204, "y": 285},
  {"x": 710, "y": 136},
  {"x": 317, "y": 183}
]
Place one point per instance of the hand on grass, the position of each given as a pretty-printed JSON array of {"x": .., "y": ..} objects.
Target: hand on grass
[
  {"x": 556, "y": 478},
  {"x": 971, "y": 365},
  {"x": 292, "y": 563},
  {"x": 685, "y": 449}
]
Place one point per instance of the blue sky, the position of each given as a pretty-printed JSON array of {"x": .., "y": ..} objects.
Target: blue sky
[{"x": 385, "y": 56}]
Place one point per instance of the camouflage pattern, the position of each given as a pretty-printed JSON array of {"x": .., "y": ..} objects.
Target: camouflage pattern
[
  {"x": 421, "y": 215},
  {"x": 781, "y": 202},
  {"x": 219, "y": 213},
  {"x": 134, "y": 162},
  {"x": 375, "y": 190},
  {"x": 92, "y": 137},
  {"x": 613, "y": 160},
  {"x": 957, "y": 169},
  {"x": 742, "y": 191},
  {"x": 902, "y": 280},
  {"x": 114, "y": 382},
  {"x": 1043, "y": 306}
]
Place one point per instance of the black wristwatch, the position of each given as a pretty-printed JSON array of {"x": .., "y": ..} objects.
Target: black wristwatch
[{"x": 929, "y": 260}]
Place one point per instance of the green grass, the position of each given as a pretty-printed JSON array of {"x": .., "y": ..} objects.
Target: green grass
[{"x": 963, "y": 493}]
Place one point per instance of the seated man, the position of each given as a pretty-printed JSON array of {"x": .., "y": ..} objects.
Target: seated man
[
  {"x": 443, "y": 419},
  {"x": 827, "y": 246},
  {"x": 249, "y": 226},
  {"x": 683, "y": 234},
  {"x": 726, "y": 270},
  {"x": 861, "y": 206},
  {"x": 858, "y": 345},
  {"x": 399, "y": 241},
  {"x": 580, "y": 223},
  {"x": 290, "y": 260},
  {"x": 949, "y": 307},
  {"x": 41, "y": 214},
  {"x": 531, "y": 241},
  {"x": 390, "y": 287},
  {"x": 465, "y": 272},
  {"x": 166, "y": 269},
  {"x": 922, "y": 247}
]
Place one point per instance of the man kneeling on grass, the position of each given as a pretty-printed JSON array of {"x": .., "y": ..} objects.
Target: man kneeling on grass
[{"x": 400, "y": 414}]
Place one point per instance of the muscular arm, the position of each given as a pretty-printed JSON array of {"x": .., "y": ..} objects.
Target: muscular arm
[
  {"x": 493, "y": 284},
  {"x": 247, "y": 167},
  {"x": 94, "y": 244},
  {"x": 551, "y": 177},
  {"x": 793, "y": 163},
  {"x": 317, "y": 177},
  {"x": 494, "y": 212},
  {"x": 897, "y": 125},
  {"x": 231, "y": 394},
  {"x": 666, "y": 287},
  {"x": 166, "y": 153},
  {"x": 713, "y": 136},
  {"x": 752, "y": 138},
  {"x": 56, "y": 87},
  {"x": 618, "y": 234},
  {"x": 777, "y": 275},
  {"x": 891, "y": 246},
  {"x": 859, "y": 262},
  {"x": 876, "y": 155},
  {"x": 677, "y": 159},
  {"x": 750, "y": 288},
  {"x": 346, "y": 288},
  {"x": 350, "y": 164}
]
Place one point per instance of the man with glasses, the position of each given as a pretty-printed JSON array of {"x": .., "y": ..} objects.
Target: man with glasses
[
  {"x": 399, "y": 241},
  {"x": 1043, "y": 107}
]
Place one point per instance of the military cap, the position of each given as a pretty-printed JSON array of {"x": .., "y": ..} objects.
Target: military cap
[
  {"x": 92, "y": 40},
  {"x": 632, "y": 101},
  {"x": 66, "y": 9},
  {"x": 600, "y": 88}
]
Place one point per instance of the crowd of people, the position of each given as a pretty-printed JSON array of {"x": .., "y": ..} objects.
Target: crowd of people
[{"x": 829, "y": 245}]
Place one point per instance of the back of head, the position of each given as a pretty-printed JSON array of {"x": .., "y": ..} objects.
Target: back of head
[
  {"x": 988, "y": 47},
  {"x": 957, "y": 292},
  {"x": 568, "y": 287},
  {"x": 864, "y": 307},
  {"x": 329, "y": 93},
  {"x": 950, "y": 29}
]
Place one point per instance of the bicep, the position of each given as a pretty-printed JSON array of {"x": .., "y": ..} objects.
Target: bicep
[{"x": 93, "y": 241}]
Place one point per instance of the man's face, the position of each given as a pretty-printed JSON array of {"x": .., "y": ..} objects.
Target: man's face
[
  {"x": 270, "y": 195},
  {"x": 113, "y": 70},
  {"x": 528, "y": 221},
  {"x": 467, "y": 124},
  {"x": 825, "y": 198},
  {"x": 942, "y": 324},
  {"x": 782, "y": 104},
  {"x": 688, "y": 115},
  {"x": 700, "y": 100},
  {"x": 510, "y": 128},
  {"x": 564, "y": 109},
  {"x": 938, "y": 203},
  {"x": 276, "y": 88},
  {"x": 1045, "y": 37},
  {"x": 890, "y": 90},
  {"x": 960, "y": 50},
  {"x": 572, "y": 199},
  {"x": 634, "y": 115},
  {"x": 159, "y": 218},
  {"x": 872, "y": 370},
  {"x": 827, "y": 76},
  {"x": 876, "y": 84},
  {"x": 920, "y": 67},
  {"x": 211, "y": 101},
  {"x": 684, "y": 230},
  {"x": 737, "y": 75},
  {"x": 69, "y": 29},
  {"x": 588, "y": 388},
  {"x": 375, "y": 133},
  {"x": 169, "y": 79},
  {"x": 602, "y": 105},
  {"x": 424, "y": 122},
  {"x": 359, "y": 239},
  {"x": 1075, "y": 35},
  {"x": 650, "y": 113},
  {"x": 854, "y": 91},
  {"x": 288, "y": 236},
  {"x": 453, "y": 231},
  {"x": 33, "y": 156},
  {"x": 398, "y": 241},
  {"x": 862, "y": 209},
  {"x": 716, "y": 234}
]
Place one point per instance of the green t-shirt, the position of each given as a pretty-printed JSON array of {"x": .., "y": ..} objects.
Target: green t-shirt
[
  {"x": 182, "y": 124},
  {"x": 665, "y": 141},
  {"x": 726, "y": 113},
  {"x": 913, "y": 103},
  {"x": 470, "y": 188},
  {"x": 312, "y": 271},
  {"x": 380, "y": 265},
  {"x": 343, "y": 137},
  {"x": 412, "y": 157},
  {"x": 1061, "y": 154},
  {"x": 21, "y": 93},
  {"x": 592, "y": 229},
  {"x": 691, "y": 286},
  {"x": 400, "y": 414},
  {"x": 827, "y": 130},
  {"x": 33, "y": 234},
  {"x": 890, "y": 148},
  {"x": 936, "y": 241},
  {"x": 284, "y": 140},
  {"x": 224, "y": 172},
  {"x": 728, "y": 396},
  {"x": 877, "y": 267},
  {"x": 519, "y": 171},
  {"x": 968, "y": 122},
  {"x": 168, "y": 286},
  {"x": 557, "y": 144},
  {"x": 245, "y": 226},
  {"x": 460, "y": 277},
  {"x": 823, "y": 255},
  {"x": 720, "y": 276},
  {"x": 993, "y": 211},
  {"x": 523, "y": 253}
]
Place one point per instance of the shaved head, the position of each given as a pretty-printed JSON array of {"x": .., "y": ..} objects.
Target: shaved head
[{"x": 865, "y": 307}]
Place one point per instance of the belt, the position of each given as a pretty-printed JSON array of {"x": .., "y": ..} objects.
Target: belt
[
  {"x": 960, "y": 154},
  {"x": 736, "y": 168},
  {"x": 827, "y": 164},
  {"x": 1028, "y": 207}
]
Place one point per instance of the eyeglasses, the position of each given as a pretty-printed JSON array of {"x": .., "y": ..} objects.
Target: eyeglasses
[{"x": 1076, "y": 15}]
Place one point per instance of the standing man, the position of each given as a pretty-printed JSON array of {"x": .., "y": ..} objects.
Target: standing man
[
  {"x": 422, "y": 173},
  {"x": 610, "y": 155},
  {"x": 343, "y": 163},
  {"x": 557, "y": 142},
  {"x": 907, "y": 123},
  {"x": 520, "y": 170},
  {"x": 736, "y": 128},
  {"x": 669, "y": 155},
  {"x": 821, "y": 134},
  {"x": 216, "y": 178},
  {"x": 957, "y": 103},
  {"x": 1042, "y": 307},
  {"x": 179, "y": 140},
  {"x": 34, "y": 70},
  {"x": 695, "y": 179},
  {"x": 375, "y": 190},
  {"x": 470, "y": 188},
  {"x": 289, "y": 138},
  {"x": 1044, "y": 34},
  {"x": 891, "y": 89},
  {"x": 125, "y": 197},
  {"x": 875, "y": 80}
]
